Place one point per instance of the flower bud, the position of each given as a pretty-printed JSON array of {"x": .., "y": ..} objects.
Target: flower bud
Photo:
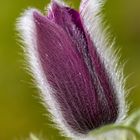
[{"x": 71, "y": 65}]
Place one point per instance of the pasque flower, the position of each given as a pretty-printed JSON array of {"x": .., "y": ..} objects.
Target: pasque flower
[{"x": 74, "y": 67}]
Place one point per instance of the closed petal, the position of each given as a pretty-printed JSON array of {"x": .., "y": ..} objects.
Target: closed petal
[{"x": 93, "y": 21}]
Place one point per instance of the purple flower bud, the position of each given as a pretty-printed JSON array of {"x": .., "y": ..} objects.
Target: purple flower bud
[{"x": 75, "y": 71}]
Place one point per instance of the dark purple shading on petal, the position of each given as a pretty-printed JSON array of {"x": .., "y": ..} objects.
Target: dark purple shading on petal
[
  {"x": 65, "y": 17},
  {"x": 70, "y": 20},
  {"x": 73, "y": 68}
]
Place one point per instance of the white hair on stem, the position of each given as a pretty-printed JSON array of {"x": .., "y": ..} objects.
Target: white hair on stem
[{"x": 92, "y": 19}]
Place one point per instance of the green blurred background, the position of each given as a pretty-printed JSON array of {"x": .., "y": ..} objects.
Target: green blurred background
[{"x": 20, "y": 108}]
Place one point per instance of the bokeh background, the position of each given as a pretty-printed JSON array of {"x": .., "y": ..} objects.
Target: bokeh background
[{"x": 20, "y": 109}]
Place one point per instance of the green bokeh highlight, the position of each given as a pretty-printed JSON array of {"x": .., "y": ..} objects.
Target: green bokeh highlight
[{"x": 20, "y": 109}]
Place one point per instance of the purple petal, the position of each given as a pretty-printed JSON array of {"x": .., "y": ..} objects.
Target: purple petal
[
  {"x": 93, "y": 21},
  {"x": 72, "y": 23},
  {"x": 83, "y": 89},
  {"x": 66, "y": 73}
]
